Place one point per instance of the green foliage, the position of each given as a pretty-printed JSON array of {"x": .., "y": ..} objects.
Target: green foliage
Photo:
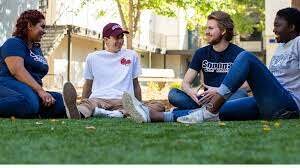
[
  {"x": 153, "y": 86},
  {"x": 246, "y": 14},
  {"x": 175, "y": 85}
]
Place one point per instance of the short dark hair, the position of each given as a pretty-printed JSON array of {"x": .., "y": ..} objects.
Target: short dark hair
[
  {"x": 224, "y": 22},
  {"x": 292, "y": 16},
  {"x": 30, "y": 16}
]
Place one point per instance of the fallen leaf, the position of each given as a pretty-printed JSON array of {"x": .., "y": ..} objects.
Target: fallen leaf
[
  {"x": 266, "y": 129},
  {"x": 277, "y": 124},
  {"x": 90, "y": 127},
  {"x": 222, "y": 124},
  {"x": 38, "y": 123},
  {"x": 266, "y": 125},
  {"x": 53, "y": 120}
]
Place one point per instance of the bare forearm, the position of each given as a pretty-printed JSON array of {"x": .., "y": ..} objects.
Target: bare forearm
[
  {"x": 137, "y": 89},
  {"x": 138, "y": 93},
  {"x": 186, "y": 87},
  {"x": 24, "y": 76},
  {"x": 86, "y": 92}
]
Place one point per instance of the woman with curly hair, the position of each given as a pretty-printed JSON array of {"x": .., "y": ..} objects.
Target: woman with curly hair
[{"x": 22, "y": 67}]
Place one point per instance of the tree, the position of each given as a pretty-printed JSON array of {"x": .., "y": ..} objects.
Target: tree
[
  {"x": 130, "y": 10},
  {"x": 246, "y": 14}
]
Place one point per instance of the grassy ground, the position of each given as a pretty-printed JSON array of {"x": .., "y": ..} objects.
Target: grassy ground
[{"x": 101, "y": 141}]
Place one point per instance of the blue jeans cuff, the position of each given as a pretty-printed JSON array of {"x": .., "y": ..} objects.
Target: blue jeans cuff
[{"x": 224, "y": 91}]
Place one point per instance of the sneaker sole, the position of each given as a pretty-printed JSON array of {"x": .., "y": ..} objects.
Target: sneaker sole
[
  {"x": 129, "y": 107},
  {"x": 69, "y": 98},
  {"x": 186, "y": 122}
]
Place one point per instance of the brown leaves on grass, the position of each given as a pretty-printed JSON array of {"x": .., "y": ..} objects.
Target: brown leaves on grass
[
  {"x": 38, "y": 123},
  {"x": 90, "y": 127},
  {"x": 221, "y": 124},
  {"x": 267, "y": 125}
]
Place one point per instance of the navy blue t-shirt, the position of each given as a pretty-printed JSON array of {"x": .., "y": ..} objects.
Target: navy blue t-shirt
[
  {"x": 213, "y": 64},
  {"x": 34, "y": 61}
]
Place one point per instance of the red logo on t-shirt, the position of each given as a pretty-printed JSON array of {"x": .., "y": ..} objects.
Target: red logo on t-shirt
[{"x": 125, "y": 61}]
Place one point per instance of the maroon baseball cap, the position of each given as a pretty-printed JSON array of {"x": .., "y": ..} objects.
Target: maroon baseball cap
[{"x": 113, "y": 29}]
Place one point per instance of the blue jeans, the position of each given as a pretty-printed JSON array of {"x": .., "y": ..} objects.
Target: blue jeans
[
  {"x": 270, "y": 100},
  {"x": 19, "y": 100},
  {"x": 182, "y": 101},
  {"x": 238, "y": 109}
]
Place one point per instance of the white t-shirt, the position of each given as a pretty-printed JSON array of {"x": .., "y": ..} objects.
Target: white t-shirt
[
  {"x": 112, "y": 73},
  {"x": 285, "y": 66}
]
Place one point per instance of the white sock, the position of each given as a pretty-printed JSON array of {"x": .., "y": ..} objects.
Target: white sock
[{"x": 100, "y": 112}]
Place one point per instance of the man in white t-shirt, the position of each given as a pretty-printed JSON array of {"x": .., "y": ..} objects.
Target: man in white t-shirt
[{"x": 108, "y": 74}]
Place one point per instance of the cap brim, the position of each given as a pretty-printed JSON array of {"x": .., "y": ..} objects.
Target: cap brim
[{"x": 118, "y": 32}]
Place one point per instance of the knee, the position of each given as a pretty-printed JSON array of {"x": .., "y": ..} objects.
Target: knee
[
  {"x": 173, "y": 94},
  {"x": 245, "y": 56},
  {"x": 240, "y": 93}
]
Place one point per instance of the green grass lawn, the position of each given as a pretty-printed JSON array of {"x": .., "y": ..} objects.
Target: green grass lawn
[{"x": 123, "y": 141}]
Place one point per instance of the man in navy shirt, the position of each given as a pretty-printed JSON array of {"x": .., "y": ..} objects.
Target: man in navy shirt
[{"x": 214, "y": 61}]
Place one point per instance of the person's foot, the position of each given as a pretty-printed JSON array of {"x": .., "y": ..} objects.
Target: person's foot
[
  {"x": 198, "y": 116},
  {"x": 137, "y": 111},
  {"x": 69, "y": 97}
]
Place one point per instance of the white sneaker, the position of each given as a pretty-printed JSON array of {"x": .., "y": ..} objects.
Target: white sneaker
[
  {"x": 137, "y": 111},
  {"x": 100, "y": 112},
  {"x": 198, "y": 116}
]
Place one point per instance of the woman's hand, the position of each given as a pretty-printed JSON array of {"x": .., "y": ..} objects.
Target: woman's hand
[
  {"x": 16, "y": 67},
  {"x": 46, "y": 97}
]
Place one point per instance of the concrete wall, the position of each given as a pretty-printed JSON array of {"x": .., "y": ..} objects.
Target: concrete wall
[
  {"x": 58, "y": 62},
  {"x": 272, "y": 6},
  {"x": 178, "y": 63},
  {"x": 10, "y": 10},
  {"x": 81, "y": 47},
  {"x": 174, "y": 62},
  {"x": 144, "y": 60},
  {"x": 162, "y": 32},
  {"x": 157, "y": 61},
  {"x": 254, "y": 46}
]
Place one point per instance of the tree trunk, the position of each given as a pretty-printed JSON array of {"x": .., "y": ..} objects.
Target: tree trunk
[{"x": 130, "y": 24}]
